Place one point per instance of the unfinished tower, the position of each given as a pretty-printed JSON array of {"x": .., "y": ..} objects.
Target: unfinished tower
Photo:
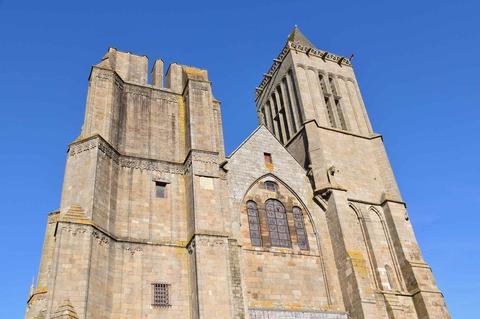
[{"x": 303, "y": 220}]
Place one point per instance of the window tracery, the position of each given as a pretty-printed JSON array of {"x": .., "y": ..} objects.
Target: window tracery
[
  {"x": 300, "y": 228},
  {"x": 277, "y": 223},
  {"x": 271, "y": 186},
  {"x": 254, "y": 223}
]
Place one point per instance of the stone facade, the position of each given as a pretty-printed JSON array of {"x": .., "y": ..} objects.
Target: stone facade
[{"x": 303, "y": 220}]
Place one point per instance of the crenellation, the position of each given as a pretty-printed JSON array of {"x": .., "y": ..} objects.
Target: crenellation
[{"x": 157, "y": 74}]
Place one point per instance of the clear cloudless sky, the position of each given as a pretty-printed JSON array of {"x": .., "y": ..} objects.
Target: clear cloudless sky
[{"x": 416, "y": 62}]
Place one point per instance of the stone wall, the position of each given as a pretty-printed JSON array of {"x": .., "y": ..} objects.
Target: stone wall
[{"x": 280, "y": 278}]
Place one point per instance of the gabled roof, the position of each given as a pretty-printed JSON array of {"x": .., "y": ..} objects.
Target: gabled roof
[
  {"x": 245, "y": 140},
  {"x": 263, "y": 129},
  {"x": 296, "y": 36}
]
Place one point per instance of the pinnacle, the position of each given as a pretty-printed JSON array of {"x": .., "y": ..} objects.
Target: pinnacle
[{"x": 297, "y": 36}]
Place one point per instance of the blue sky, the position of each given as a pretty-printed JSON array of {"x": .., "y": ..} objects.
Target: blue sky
[{"x": 416, "y": 62}]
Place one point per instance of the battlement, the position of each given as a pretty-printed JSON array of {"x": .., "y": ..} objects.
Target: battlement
[{"x": 133, "y": 68}]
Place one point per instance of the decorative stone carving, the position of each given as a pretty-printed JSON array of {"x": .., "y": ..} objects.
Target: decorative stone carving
[
  {"x": 331, "y": 171},
  {"x": 137, "y": 90},
  {"x": 191, "y": 247},
  {"x": 209, "y": 241},
  {"x": 101, "y": 239},
  {"x": 202, "y": 86},
  {"x": 108, "y": 151},
  {"x": 297, "y": 47},
  {"x": 203, "y": 163},
  {"x": 151, "y": 165},
  {"x": 103, "y": 75},
  {"x": 169, "y": 97},
  {"x": 78, "y": 148},
  {"x": 125, "y": 161},
  {"x": 74, "y": 230},
  {"x": 132, "y": 249}
]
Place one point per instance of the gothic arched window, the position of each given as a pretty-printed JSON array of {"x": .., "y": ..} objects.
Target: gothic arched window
[
  {"x": 254, "y": 223},
  {"x": 300, "y": 227},
  {"x": 277, "y": 223}
]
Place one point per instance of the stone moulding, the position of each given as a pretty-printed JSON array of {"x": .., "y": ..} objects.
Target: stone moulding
[
  {"x": 104, "y": 239},
  {"x": 204, "y": 163},
  {"x": 148, "y": 90},
  {"x": 207, "y": 160},
  {"x": 97, "y": 142}
]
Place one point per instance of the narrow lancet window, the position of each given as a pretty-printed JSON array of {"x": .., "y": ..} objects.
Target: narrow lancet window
[
  {"x": 283, "y": 113},
  {"x": 254, "y": 224},
  {"x": 332, "y": 86},
  {"x": 276, "y": 119},
  {"x": 300, "y": 228},
  {"x": 331, "y": 118},
  {"x": 295, "y": 94},
  {"x": 343, "y": 124},
  {"x": 322, "y": 84},
  {"x": 289, "y": 106},
  {"x": 277, "y": 223}
]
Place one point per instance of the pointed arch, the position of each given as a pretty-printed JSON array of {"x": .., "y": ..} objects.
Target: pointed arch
[
  {"x": 257, "y": 192},
  {"x": 396, "y": 272},
  {"x": 279, "y": 181},
  {"x": 254, "y": 223},
  {"x": 277, "y": 223},
  {"x": 366, "y": 243}
]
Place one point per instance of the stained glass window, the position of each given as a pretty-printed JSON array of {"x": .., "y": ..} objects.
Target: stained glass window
[
  {"x": 300, "y": 227},
  {"x": 254, "y": 223},
  {"x": 277, "y": 223},
  {"x": 271, "y": 186}
]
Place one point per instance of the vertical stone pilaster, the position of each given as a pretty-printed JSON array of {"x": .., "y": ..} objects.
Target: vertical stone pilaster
[
  {"x": 427, "y": 298},
  {"x": 211, "y": 276}
]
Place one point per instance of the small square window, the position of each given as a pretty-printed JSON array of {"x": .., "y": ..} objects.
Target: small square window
[
  {"x": 160, "y": 189},
  {"x": 268, "y": 161},
  {"x": 268, "y": 158},
  {"x": 161, "y": 295}
]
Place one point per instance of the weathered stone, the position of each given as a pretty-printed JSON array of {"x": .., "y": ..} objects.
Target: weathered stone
[{"x": 326, "y": 234}]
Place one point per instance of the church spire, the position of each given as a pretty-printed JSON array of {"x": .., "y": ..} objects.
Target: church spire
[{"x": 296, "y": 36}]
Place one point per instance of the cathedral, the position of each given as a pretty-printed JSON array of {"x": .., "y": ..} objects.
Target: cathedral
[{"x": 303, "y": 220}]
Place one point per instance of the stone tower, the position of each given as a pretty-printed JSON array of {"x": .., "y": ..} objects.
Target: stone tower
[
  {"x": 311, "y": 102},
  {"x": 303, "y": 220}
]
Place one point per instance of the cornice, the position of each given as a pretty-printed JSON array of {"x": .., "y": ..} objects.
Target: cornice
[
  {"x": 200, "y": 162},
  {"x": 297, "y": 47}
]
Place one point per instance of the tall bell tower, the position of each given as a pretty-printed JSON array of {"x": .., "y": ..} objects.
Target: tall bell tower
[{"x": 310, "y": 100}]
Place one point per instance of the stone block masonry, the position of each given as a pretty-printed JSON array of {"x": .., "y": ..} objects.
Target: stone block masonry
[{"x": 303, "y": 220}]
